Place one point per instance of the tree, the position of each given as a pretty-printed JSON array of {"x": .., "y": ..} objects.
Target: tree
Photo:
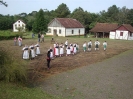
[
  {"x": 130, "y": 16},
  {"x": 62, "y": 11},
  {"x": 82, "y": 16},
  {"x": 3, "y": 3},
  {"x": 40, "y": 24}
]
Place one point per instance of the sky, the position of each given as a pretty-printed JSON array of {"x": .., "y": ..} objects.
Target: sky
[{"x": 93, "y": 6}]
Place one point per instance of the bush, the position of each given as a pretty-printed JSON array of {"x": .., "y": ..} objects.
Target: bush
[
  {"x": 11, "y": 69},
  {"x": 5, "y": 35}
]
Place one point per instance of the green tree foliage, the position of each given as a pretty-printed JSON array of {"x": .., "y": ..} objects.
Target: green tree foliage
[
  {"x": 40, "y": 23},
  {"x": 6, "y": 22},
  {"x": 130, "y": 16},
  {"x": 62, "y": 11},
  {"x": 82, "y": 16}
]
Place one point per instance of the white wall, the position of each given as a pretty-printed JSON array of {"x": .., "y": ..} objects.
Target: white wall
[
  {"x": 57, "y": 28},
  {"x": 66, "y": 32},
  {"x": 112, "y": 35},
  {"x": 76, "y": 31},
  {"x": 125, "y": 35}
]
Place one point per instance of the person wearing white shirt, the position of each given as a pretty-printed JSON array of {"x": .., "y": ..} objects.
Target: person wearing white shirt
[
  {"x": 104, "y": 45},
  {"x": 97, "y": 43},
  {"x": 89, "y": 45}
]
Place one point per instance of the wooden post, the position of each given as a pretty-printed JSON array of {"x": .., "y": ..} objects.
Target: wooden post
[{"x": 103, "y": 34}]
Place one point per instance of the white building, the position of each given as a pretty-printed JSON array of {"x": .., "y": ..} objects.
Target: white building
[
  {"x": 19, "y": 25},
  {"x": 125, "y": 32},
  {"x": 65, "y": 27}
]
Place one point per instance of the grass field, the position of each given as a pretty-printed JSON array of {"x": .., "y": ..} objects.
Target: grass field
[{"x": 38, "y": 70}]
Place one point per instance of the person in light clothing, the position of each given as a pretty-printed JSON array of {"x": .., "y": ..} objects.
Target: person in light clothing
[
  {"x": 19, "y": 41},
  {"x": 61, "y": 49},
  {"x": 104, "y": 45},
  {"x": 84, "y": 46},
  {"x": 89, "y": 45},
  {"x": 37, "y": 49},
  {"x": 32, "y": 52},
  {"x": 74, "y": 49},
  {"x": 68, "y": 51},
  {"x": 57, "y": 50},
  {"x": 25, "y": 52},
  {"x": 97, "y": 43},
  {"x": 66, "y": 43}
]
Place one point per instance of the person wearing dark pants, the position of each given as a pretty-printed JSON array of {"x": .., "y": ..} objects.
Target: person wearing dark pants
[{"x": 48, "y": 59}]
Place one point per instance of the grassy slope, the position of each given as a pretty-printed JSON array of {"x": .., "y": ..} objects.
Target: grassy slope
[{"x": 13, "y": 91}]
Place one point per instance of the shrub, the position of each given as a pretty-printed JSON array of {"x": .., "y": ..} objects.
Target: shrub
[
  {"x": 11, "y": 69},
  {"x": 5, "y": 35}
]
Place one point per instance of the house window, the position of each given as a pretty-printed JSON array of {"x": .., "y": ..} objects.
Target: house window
[
  {"x": 18, "y": 21},
  {"x": 121, "y": 33},
  {"x": 49, "y": 30},
  {"x": 72, "y": 31},
  {"x": 59, "y": 31}
]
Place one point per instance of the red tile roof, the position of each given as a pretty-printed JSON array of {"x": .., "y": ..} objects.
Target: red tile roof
[
  {"x": 69, "y": 23},
  {"x": 104, "y": 27},
  {"x": 128, "y": 27}
]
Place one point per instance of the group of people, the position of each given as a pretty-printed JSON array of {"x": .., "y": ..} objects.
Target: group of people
[
  {"x": 40, "y": 37},
  {"x": 30, "y": 52},
  {"x": 19, "y": 40},
  {"x": 71, "y": 49},
  {"x": 97, "y": 43}
]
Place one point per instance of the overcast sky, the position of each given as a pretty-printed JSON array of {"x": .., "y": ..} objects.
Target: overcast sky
[{"x": 93, "y": 6}]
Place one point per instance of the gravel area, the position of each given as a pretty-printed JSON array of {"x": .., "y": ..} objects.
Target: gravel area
[{"x": 109, "y": 79}]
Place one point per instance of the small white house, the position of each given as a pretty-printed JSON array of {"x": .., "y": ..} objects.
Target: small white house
[
  {"x": 65, "y": 27},
  {"x": 19, "y": 25},
  {"x": 125, "y": 32}
]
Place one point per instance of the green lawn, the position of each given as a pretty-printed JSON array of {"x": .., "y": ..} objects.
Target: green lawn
[{"x": 13, "y": 91}]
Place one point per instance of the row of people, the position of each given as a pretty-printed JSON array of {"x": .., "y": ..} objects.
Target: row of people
[
  {"x": 97, "y": 43},
  {"x": 30, "y": 52}
]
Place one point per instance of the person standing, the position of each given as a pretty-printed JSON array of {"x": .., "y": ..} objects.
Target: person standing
[
  {"x": 37, "y": 49},
  {"x": 104, "y": 45},
  {"x": 15, "y": 41},
  {"x": 97, "y": 43},
  {"x": 61, "y": 50},
  {"x": 48, "y": 59},
  {"x": 66, "y": 43},
  {"x": 19, "y": 41},
  {"x": 74, "y": 49},
  {"x": 68, "y": 51},
  {"x": 32, "y": 52},
  {"x": 89, "y": 45},
  {"x": 42, "y": 38},
  {"x": 51, "y": 53},
  {"x": 25, "y": 52},
  {"x": 84, "y": 46},
  {"x": 39, "y": 36}
]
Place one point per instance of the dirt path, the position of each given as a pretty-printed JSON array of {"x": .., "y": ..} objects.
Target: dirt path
[{"x": 109, "y": 79}]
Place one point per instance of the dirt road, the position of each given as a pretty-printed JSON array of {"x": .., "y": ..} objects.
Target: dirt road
[{"x": 109, "y": 79}]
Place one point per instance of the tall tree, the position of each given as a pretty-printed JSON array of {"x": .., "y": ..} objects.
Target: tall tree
[
  {"x": 82, "y": 16},
  {"x": 40, "y": 24},
  {"x": 130, "y": 16},
  {"x": 112, "y": 13},
  {"x": 123, "y": 16},
  {"x": 62, "y": 11}
]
